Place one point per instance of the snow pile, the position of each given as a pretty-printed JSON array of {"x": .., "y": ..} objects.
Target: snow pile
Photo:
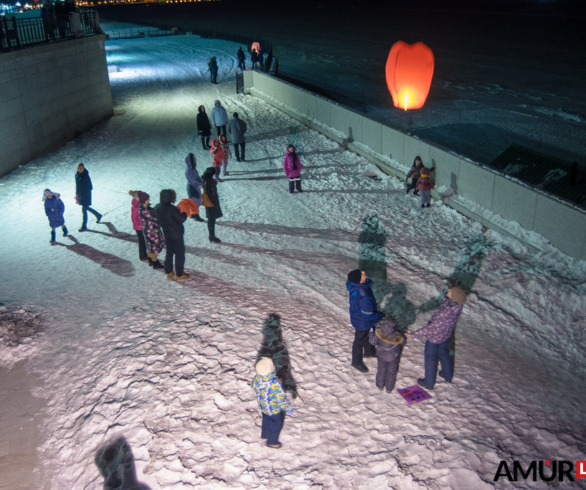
[
  {"x": 19, "y": 328},
  {"x": 141, "y": 370}
]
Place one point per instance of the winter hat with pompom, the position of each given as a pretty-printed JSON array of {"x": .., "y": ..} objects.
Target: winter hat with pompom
[
  {"x": 265, "y": 366},
  {"x": 355, "y": 276},
  {"x": 143, "y": 197},
  {"x": 458, "y": 295}
]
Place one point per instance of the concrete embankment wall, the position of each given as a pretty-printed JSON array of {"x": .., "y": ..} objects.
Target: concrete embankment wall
[
  {"x": 49, "y": 94},
  {"x": 489, "y": 193}
]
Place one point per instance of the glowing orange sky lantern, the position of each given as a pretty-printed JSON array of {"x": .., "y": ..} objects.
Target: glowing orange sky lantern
[
  {"x": 255, "y": 46},
  {"x": 409, "y": 72}
]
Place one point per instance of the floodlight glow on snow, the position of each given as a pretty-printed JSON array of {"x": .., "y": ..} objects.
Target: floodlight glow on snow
[
  {"x": 255, "y": 46},
  {"x": 409, "y": 71}
]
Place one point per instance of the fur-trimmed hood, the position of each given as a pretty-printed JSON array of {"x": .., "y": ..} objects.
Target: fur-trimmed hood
[{"x": 394, "y": 339}]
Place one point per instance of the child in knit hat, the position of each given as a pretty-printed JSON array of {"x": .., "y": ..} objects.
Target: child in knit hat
[
  {"x": 227, "y": 153},
  {"x": 153, "y": 236},
  {"x": 271, "y": 400},
  {"x": 424, "y": 186},
  {"x": 389, "y": 345},
  {"x": 218, "y": 158},
  {"x": 137, "y": 225},
  {"x": 54, "y": 209}
]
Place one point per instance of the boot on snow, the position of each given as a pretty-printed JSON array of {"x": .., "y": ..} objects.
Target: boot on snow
[
  {"x": 298, "y": 185},
  {"x": 157, "y": 265},
  {"x": 291, "y": 187},
  {"x": 183, "y": 277},
  {"x": 99, "y": 218},
  {"x": 197, "y": 217},
  {"x": 53, "y": 236},
  {"x": 65, "y": 232},
  {"x": 170, "y": 275}
]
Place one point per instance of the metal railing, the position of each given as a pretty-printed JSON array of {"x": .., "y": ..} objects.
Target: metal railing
[
  {"x": 239, "y": 83},
  {"x": 17, "y": 33}
]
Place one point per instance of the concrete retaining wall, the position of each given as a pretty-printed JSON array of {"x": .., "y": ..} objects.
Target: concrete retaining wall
[
  {"x": 48, "y": 95},
  {"x": 563, "y": 225}
]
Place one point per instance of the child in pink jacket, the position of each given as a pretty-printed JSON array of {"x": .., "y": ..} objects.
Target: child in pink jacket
[
  {"x": 292, "y": 167},
  {"x": 137, "y": 226}
]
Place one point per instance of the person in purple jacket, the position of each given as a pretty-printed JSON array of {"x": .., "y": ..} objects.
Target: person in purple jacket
[
  {"x": 292, "y": 168},
  {"x": 437, "y": 333}
]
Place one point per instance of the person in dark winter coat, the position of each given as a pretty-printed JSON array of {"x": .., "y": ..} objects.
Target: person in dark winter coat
[
  {"x": 292, "y": 167},
  {"x": 137, "y": 225},
  {"x": 54, "y": 209},
  {"x": 414, "y": 173},
  {"x": 389, "y": 344},
  {"x": 83, "y": 195},
  {"x": 260, "y": 58},
  {"x": 438, "y": 332},
  {"x": 194, "y": 183},
  {"x": 171, "y": 220},
  {"x": 213, "y": 68},
  {"x": 154, "y": 238},
  {"x": 219, "y": 117},
  {"x": 241, "y": 58},
  {"x": 215, "y": 212},
  {"x": 204, "y": 128},
  {"x": 363, "y": 316},
  {"x": 254, "y": 58},
  {"x": 237, "y": 128},
  {"x": 425, "y": 185}
]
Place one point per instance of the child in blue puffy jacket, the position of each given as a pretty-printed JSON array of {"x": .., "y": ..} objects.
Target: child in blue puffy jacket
[
  {"x": 271, "y": 400},
  {"x": 54, "y": 209}
]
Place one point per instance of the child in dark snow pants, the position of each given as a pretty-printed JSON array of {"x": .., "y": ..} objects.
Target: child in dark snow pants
[
  {"x": 389, "y": 345},
  {"x": 54, "y": 209},
  {"x": 271, "y": 400}
]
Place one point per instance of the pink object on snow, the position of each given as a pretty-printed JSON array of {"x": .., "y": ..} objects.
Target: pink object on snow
[{"x": 414, "y": 394}]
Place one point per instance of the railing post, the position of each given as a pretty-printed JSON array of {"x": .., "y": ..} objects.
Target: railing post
[
  {"x": 75, "y": 23},
  {"x": 15, "y": 31},
  {"x": 97, "y": 27}
]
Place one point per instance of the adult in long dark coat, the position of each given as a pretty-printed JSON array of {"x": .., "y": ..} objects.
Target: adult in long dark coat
[
  {"x": 204, "y": 128},
  {"x": 241, "y": 58},
  {"x": 83, "y": 195},
  {"x": 211, "y": 189}
]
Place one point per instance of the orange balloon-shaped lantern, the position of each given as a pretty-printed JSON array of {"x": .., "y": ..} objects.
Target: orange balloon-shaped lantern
[
  {"x": 409, "y": 72},
  {"x": 255, "y": 46}
]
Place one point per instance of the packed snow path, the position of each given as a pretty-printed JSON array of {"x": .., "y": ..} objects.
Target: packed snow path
[{"x": 167, "y": 365}]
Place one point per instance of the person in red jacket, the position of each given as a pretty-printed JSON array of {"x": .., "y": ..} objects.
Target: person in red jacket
[
  {"x": 218, "y": 158},
  {"x": 292, "y": 167},
  {"x": 424, "y": 186}
]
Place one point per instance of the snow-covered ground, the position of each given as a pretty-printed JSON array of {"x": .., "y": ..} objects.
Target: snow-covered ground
[
  {"x": 499, "y": 79},
  {"x": 167, "y": 365}
]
